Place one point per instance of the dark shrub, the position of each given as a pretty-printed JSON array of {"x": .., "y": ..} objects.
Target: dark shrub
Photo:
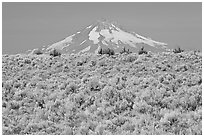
[
  {"x": 106, "y": 51},
  {"x": 179, "y": 50},
  {"x": 55, "y": 53},
  {"x": 94, "y": 85},
  {"x": 142, "y": 51},
  {"x": 100, "y": 51},
  {"x": 125, "y": 51}
]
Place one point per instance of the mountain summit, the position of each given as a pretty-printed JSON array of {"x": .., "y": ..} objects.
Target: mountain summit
[{"x": 104, "y": 34}]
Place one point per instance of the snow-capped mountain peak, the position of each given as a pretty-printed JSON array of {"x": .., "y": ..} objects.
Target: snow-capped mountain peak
[{"x": 105, "y": 34}]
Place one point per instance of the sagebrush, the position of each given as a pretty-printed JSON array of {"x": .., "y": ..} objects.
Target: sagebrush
[{"x": 94, "y": 94}]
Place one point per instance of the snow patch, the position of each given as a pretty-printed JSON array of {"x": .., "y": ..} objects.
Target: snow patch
[
  {"x": 68, "y": 39},
  {"x": 108, "y": 36},
  {"x": 65, "y": 46},
  {"x": 82, "y": 42},
  {"x": 124, "y": 37},
  {"x": 85, "y": 49},
  {"x": 89, "y": 27},
  {"x": 72, "y": 35},
  {"x": 149, "y": 39},
  {"x": 61, "y": 44},
  {"x": 139, "y": 36},
  {"x": 127, "y": 38},
  {"x": 93, "y": 35},
  {"x": 113, "y": 25},
  {"x": 99, "y": 47},
  {"x": 29, "y": 50},
  {"x": 104, "y": 43}
]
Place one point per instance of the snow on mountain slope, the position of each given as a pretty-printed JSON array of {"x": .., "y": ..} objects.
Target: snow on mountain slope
[
  {"x": 86, "y": 49},
  {"x": 61, "y": 44},
  {"x": 93, "y": 35},
  {"x": 104, "y": 34}
]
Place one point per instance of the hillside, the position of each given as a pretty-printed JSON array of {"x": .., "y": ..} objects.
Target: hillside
[{"x": 154, "y": 93}]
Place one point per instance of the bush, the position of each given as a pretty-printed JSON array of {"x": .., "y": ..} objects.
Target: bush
[
  {"x": 55, "y": 53},
  {"x": 100, "y": 51},
  {"x": 71, "y": 88},
  {"x": 125, "y": 51},
  {"x": 142, "y": 51},
  {"x": 130, "y": 58},
  {"x": 94, "y": 85},
  {"x": 170, "y": 118},
  {"x": 106, "y": 51},
  {"x": 179, "y": 50}
]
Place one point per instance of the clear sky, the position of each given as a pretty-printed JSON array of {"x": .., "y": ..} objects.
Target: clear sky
[{"x": 31, "y": 25}]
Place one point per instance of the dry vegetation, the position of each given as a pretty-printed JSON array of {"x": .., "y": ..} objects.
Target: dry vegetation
[{"x": 101, "y": 94}]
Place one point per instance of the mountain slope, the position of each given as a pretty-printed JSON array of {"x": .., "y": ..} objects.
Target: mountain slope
[{"x": 103, "y": 34}]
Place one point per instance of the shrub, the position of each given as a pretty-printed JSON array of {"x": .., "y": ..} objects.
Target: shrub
[
  {"x": 55, "y": 53},
  {"x": 27, "y": 61},
  {"x": 142, "y": 51},
  {"x": 170, "y": 118},
  {"x": 179, "y": 50},
  {"x": 102, "y": 63},
  {"x": 100, "y": 51},
  {"x": 106, "y": 51},
  {"x": 130, "y": 58},
  {"x": 125, "y": 51},
  {"x": 71, "y": 88},
  {"x": 142, "y": 107},
  {"x": 93, "y": 63},
  {"x": 67, "y": 131},
  {"x": 94, "y": 85}
]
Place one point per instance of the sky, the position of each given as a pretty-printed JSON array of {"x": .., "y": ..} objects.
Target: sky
[{"x": 32, "y": 25}]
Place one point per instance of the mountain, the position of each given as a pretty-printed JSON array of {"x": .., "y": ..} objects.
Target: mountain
[{"x": 104, "y": 34}]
